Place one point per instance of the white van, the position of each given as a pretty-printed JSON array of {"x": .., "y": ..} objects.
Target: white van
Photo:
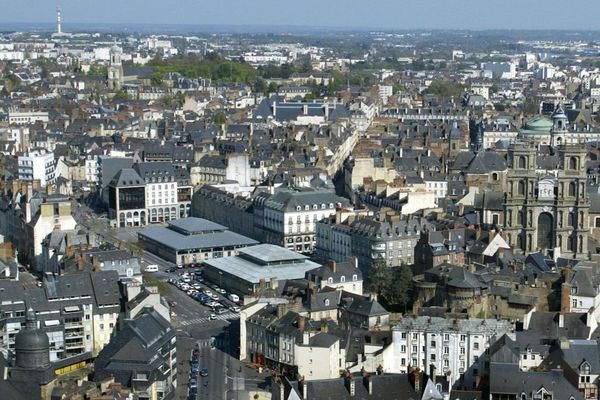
[
  {"x": 234, "y": 297},
  {"x": 152, "y": 268}
]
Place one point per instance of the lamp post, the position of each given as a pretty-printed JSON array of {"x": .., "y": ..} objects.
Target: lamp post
[{"x": 220, "y": 279}]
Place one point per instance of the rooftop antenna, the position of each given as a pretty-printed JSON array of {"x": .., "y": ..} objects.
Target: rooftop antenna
[{"x": 58, "y": 21}]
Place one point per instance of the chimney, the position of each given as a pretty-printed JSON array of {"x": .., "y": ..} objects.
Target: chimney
[
  {"x": 303, "y": 386},
  {"x": 565, "y": 298},
  {"x": 351, "y": 384},
  {"x": 564, "y": 343},
  {"x": 333, "y": 266},
  {"x": 301, "y": 323},
  {"x": 326, "y": 106},
  {"x": 281, "y": 309},
  {"x": 305, "y": 109},
  {"x": 561, "y": 320},
  {"x": 274, "y": 107},
  {"x": 281, "y": 388},
  {"x": 368, "y": 381},
  {"x": 415, "y": 378}
]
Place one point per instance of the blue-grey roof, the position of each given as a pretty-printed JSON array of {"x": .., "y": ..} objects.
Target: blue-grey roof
[
  {"x": 253, "y": 272},
  {"x": 179, "y": 242}
]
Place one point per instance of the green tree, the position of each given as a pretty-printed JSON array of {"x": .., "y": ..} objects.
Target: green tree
[
  {"x": 98, "y": 70},
  {"x": 219, "y": 118},
  {"x": 121, "y": 95},
  {"x": 399, "y": 291},
  {"x": 272, "y": 88},
  {"x": 379, "y": 277}
]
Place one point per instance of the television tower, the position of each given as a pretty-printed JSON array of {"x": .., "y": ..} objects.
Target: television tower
[{"x": 58, "y": 25}]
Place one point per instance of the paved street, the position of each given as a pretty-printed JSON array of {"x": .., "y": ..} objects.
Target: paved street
[{"x": 228, "y": 378}]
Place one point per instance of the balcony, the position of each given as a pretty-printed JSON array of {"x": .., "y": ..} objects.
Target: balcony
[{"x": 77, "y": 344}]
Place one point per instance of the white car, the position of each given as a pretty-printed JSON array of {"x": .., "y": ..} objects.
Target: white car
[{"x": 213, "y": 316}]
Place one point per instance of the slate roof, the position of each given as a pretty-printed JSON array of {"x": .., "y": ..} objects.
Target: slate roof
[
  {"x": 127, "y": 177},
  {"x": 507, "y": 379}
]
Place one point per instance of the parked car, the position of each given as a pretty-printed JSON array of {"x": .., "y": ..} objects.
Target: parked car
[
  {"x": 234, "y": 309},
  {"x": 221, "y": 310},
  {"x": 171, "y": 270},
  {"x": 213, "y": 316},
  {"x": 203, "y": 372}
]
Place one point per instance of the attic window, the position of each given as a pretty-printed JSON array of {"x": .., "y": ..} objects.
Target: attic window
[
  {"x": 327, "y": 302},
  {"x": 298, "y": 208}
]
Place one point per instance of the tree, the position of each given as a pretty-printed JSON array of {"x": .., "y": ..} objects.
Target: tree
[
  {"x": 219, "y": 118},
  {"x": 379, "y": 277},
  {"x": 399, "y": 291},
  {"x": 121, "y": 95}
]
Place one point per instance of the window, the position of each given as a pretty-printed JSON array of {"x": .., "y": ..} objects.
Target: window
[
  {"x": 446, "y": 350},
  {"x": 572, "y": 163},
  {"x": 572, "y": 189},
  {"x": 403, "y": 349},
  {"x": 521, "y": 188},
  {"x": 522, "y": 162},
  {"x": 433, "y": 344},
  {"x": 476, "y": 346}
]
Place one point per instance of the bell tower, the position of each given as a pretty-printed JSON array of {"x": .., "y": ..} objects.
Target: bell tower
[
  {"x": 560, "y": 125},
  {"x": 115, "y": 69}
]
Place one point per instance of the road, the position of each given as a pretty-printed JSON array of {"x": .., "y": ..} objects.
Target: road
[{"x": 228, "y": 378}]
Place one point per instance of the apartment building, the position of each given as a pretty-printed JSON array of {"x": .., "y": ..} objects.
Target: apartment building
[{"x": 37, "y": 165}]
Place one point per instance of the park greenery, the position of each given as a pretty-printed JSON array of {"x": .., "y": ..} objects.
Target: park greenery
[
  {"x": 393, "y": 284},
  {"x": 211, "y": 67}
]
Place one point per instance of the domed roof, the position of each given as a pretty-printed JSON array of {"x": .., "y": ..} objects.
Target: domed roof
[
  {"x": 31, "y": 338},
  {"x": 537, "y": 126},
  {"x": 115, "y": 49}
]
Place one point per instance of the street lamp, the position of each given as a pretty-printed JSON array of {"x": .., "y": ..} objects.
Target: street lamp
[{"x": 220, "y": 279}]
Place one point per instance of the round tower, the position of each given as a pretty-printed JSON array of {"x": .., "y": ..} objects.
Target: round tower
[{"x": 32, "y": 346}]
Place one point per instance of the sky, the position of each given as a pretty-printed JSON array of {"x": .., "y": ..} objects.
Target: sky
[{"x": 363, "y": 14}]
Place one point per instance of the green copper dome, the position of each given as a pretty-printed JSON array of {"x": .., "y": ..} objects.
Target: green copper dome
[{"x": 537, "y": 126}]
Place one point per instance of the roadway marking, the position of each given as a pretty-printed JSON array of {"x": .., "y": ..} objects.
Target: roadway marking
[{"x": 222, "y": 317}]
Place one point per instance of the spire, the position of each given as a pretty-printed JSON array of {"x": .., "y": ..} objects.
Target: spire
[{"x": 31, "y": 319}]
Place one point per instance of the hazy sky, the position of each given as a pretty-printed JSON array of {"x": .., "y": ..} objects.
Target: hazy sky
[{"x": 389, "y": 14}]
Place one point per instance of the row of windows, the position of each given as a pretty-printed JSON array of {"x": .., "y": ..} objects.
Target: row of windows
[{"x": 314, "y": 207}]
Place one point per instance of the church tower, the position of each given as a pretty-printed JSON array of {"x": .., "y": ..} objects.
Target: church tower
[
  {"x": 560, "y": 126},
  {"x": 115, "y": 69}
]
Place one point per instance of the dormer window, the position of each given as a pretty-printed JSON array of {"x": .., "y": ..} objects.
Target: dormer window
[
  {"x": 307, "y": 207},
  {"x": 326, "y": 302},
  {"x": 330, "y": 280},
  {"x": 584, "y": 368},
  {"x": 323, "y": 206},
  {"x": 298, "y": 208},
  {"x": 343, "y": 279},
  {"x": 354, "y": 277}
]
